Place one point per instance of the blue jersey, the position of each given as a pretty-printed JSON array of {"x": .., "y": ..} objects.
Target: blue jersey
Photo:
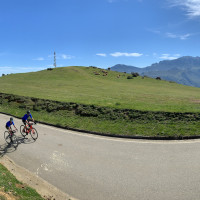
[
  {"x": 26, "y": 116},
  {"x": 8, "y": 124}
]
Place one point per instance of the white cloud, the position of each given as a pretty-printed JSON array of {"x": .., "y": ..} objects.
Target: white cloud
[
  {"x": 5, "y": 67},
  {"x": 181, "y": 37},
  {"x": 118, "y": 54},
  {"x": 101, "y": 54},
  {"x": 172, "y": 35},
  {"x": 61, "y": 56},
  {"x": 65, "y": 56},
  {"x": 154, "y": 54},
  {"x": 184, "y": 37},
  {"x": 17, "y": 69},
  {"x": 167, "y": 56},
  {"x": 177, "y": 55},
  {"x": 39, "y": 59},
  {"x": 192, "y": 7}
]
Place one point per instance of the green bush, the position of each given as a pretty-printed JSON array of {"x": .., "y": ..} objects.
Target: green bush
[
  {"x": 134, "y": 74},
  {"x": 129, "y": 77}
]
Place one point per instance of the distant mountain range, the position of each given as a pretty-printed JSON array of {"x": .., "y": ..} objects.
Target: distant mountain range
[{"x": 184, "y": 70}]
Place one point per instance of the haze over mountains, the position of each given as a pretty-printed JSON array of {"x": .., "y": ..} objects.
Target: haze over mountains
[{"x": 184, "y": 70}]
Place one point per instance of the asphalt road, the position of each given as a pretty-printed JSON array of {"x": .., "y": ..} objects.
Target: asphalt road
[{"x": 91, "y": 167}]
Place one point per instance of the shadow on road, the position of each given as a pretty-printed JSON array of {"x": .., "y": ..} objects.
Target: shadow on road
[{"x": 9, "y": 148}]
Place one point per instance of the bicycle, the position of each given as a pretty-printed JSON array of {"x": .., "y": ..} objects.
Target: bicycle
[
  {"x": 10, "y": 137},
  {"x": 24, "y": 130}
]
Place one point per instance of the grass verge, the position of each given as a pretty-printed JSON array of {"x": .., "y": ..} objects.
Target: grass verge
[
  {"x": 11, "y": 188},
  {"x": 143, "y": 126}
]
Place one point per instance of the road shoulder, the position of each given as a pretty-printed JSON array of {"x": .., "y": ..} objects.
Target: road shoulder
[{"x": 46, "y": 190}]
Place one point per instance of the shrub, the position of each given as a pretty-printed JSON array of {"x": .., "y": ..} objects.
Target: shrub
[
  {"x": 129, "y": 77},
  {"x": 37, "y": 108},
  {"x": 134, "y": 74},
  {"x": 22, "y": 106}
]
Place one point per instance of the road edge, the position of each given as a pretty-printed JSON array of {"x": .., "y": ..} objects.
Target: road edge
[{"x": 45, "y": 189}]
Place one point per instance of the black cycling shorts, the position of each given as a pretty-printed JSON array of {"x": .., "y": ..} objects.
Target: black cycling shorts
[{"x": 24, "y": 121}]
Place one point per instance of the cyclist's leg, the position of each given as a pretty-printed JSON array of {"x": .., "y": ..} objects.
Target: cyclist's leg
[
  {"x": 24, "y": 122},
  {"x": 9, "y": 129},
  {"x": 10, "y": 132},
  {"x": 27, "y": 127}
]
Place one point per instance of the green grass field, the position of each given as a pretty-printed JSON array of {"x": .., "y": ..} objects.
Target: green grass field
[
  {"x": 79, "y": 84},
  {"x": 11, "y": 187}
]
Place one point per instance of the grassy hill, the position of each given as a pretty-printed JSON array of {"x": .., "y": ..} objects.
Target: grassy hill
[{"x": 81, "y": 85}]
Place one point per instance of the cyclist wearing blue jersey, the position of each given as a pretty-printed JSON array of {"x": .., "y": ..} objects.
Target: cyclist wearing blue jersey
[
  {"x": 9, "y": 123},
  {"x": 25, "y": 118}
]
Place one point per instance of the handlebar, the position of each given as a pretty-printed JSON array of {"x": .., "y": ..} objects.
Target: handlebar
[
  {"x": 14, "y": 131},
  {"x": 31, "y": 123}
]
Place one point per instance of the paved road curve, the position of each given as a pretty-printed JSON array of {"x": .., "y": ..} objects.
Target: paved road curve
[{"x": 90, "y": 167}]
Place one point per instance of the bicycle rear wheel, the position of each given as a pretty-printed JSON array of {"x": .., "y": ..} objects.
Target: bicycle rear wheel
[
  {"x": 7, "y": 137},
  {"x": 34, "y": 134},
  {"x": 22, "y": 130}
]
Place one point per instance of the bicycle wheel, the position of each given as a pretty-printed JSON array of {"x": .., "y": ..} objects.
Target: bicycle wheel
[
  {"x": 22, "y": 130},
  {"x": 7, "y": 137},
  {"x": 34, "y": 134},
  {"x": 14, "y": 141}
]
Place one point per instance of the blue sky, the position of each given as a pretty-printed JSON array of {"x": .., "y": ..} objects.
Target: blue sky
[{"x": 96, "y": 32}]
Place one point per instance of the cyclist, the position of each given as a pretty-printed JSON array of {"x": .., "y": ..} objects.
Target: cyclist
[
  {"x": 9, "y": 123},
  {"x": 25, "y": 119}
]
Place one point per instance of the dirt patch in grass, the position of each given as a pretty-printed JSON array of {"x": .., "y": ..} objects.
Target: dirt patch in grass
[
  {"x": 22, "y": 186},
  {"x": 6, "y": 196},
  {"x": 195, "y": 101}
]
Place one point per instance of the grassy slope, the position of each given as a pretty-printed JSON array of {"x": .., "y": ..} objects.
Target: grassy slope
[
  {"x": 10, "y": 185},
  {"x": 79, "y": 84}
]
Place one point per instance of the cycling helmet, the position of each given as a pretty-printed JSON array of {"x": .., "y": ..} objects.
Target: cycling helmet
[
  {"x": 28, "y": 112},
  {"x": 11, "y": 119}
]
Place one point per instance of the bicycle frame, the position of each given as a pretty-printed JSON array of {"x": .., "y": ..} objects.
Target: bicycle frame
[
  {"x": 30, "y": 127},
  {"x": 12, "y": 132}
]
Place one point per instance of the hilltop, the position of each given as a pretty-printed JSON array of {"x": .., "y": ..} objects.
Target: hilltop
[{"x": 81, "y": 85}]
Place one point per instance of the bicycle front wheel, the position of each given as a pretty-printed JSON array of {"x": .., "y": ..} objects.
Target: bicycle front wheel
[
  {"x": 34, "y": 134},
  {"x": 14, "y": 141},
  {"x": 7, "y": 137},
  {"x": 22, "y": 130}
]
